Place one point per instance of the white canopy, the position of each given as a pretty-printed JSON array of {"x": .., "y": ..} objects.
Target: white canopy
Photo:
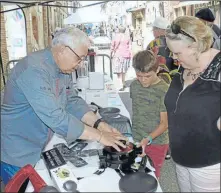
[{"x": 90, "y": 14}]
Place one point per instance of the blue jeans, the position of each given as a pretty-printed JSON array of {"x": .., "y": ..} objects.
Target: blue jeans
[{"x": 8, "y": 171}]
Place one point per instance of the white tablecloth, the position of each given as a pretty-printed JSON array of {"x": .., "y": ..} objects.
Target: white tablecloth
[{"x": 107, "y": 181}]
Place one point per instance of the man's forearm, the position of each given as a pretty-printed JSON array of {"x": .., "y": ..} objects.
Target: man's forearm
[
  {"x": 159, "y": 130},
  {"x": 90, "y": 133},
  {"x": 89, "y": 118}
]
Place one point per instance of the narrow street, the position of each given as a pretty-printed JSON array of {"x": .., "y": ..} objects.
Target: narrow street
[{"x": 37, "y": 25}]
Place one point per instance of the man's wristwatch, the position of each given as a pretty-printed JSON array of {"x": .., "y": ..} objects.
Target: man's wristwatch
[{"x": 96, "y": 124}]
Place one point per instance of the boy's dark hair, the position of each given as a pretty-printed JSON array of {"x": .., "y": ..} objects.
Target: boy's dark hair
[{"x": 145, "y": 61}]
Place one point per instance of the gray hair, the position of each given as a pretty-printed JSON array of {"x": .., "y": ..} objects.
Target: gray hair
[{"x": 70, "y": 36}]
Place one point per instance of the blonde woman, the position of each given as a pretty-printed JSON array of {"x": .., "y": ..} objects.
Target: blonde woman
[{"x": 193, "y": 106}]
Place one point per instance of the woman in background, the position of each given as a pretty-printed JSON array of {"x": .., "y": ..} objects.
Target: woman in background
[{"x": 121, "y": 55}]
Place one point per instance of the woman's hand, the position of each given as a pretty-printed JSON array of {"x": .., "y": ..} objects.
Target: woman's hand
[{"x": 112, "y": 139}]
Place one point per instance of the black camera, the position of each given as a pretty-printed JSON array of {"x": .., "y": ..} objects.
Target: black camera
[{"x": 123, "y": 160}]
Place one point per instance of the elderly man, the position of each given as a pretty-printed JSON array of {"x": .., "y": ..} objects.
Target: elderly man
[
  {"x": 39, "y": 101},
  {"x": 160, "y": 25}
]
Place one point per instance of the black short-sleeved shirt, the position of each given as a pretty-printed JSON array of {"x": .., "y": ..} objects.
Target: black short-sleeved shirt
[{"x": 192, "y": 117}]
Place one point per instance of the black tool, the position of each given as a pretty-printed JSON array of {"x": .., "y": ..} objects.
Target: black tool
[
  {"x": 78, "y": 147},
  {"x": 77, "y": 161},
  {"x": 70, "y": 186},
  {"x": 88, "y": 152},
  {"x": 122, "y": 160},
  {"x": 121, "y": 123},
  {"x": 65, "y": 151},
  {"x": 107, "y": 111},
  {"x": 99, "y": 107},
  {"x": 138, "y": 182}
]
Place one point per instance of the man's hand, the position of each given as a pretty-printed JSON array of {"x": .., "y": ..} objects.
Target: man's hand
[
  {"x": 112, "y": 139},
  {"x": 105, "y": 137},
  {"x": 107, "y": 128}
]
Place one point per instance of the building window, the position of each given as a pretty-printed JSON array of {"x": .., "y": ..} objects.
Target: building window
[
  {"x": 176, "y": 13},
  {"x": 184, "y": 10}
]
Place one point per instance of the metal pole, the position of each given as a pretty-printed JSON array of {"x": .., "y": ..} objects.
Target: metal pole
[
  {"x": 59, "y": 6},
  {"x": 30, "y": 5},
  {"x": 44, "y": 4},
  {"x": 95, "y": 4},
  {"x": 103, "y": 65},
  {"x": 111, "y": 71},
  {"x": 2, "y": 69},
  {"x": 48, "y": 22},
  {"x": 15, "y": 2}
]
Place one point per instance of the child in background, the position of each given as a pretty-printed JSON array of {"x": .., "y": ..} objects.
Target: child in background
[{"x": 149, "y": 120}]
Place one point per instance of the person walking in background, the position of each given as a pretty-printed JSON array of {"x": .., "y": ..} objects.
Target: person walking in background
[
  {"x": 96, "y": 31},
  {"x": 193, "y": 106},
  {"x": 160, "y": 25},
  {"x": 111, "y": 31},
  {"x": 131, "y": 33},
  {"x": 121, "y": 55},
  {"x": 207, "y": 16},
  {"x": 139, "y": 37},
  {"x": 101, "y": 30}
]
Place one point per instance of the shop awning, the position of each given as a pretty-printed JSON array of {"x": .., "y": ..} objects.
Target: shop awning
[
  {"x": 136, "y": 9},
  {"x": 91, "y": 14}
]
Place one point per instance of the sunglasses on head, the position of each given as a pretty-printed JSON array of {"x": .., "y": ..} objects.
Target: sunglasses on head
[{"x": 176, "y": 29}]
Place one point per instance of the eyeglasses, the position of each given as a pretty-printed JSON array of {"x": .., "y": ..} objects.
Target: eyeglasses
[
  {"x": 80, "y": 58},
  {"x": 176, "y": 29}
]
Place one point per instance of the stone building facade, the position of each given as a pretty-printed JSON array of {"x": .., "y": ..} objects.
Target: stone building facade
[{"x": 174, "y": 9}]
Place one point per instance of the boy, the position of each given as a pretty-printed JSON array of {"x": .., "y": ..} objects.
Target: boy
[{"x": 149, "y": 118}]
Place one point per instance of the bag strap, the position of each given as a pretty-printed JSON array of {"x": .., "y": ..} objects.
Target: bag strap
[{"x": 118, "y": 45}]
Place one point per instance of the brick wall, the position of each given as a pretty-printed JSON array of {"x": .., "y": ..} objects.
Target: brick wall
[
  {"x": 4, "y": 51},
  {"x": 45, "y": 26},
  {"x": 29, "y": 29}
]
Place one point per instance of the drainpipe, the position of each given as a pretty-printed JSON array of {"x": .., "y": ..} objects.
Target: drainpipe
[
  {"x": 48, "y": 22},
  {"x": 2, "y": 69}
]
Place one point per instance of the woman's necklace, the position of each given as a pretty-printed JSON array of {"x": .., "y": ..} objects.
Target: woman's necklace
[{"x": 196, "y": 75}]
